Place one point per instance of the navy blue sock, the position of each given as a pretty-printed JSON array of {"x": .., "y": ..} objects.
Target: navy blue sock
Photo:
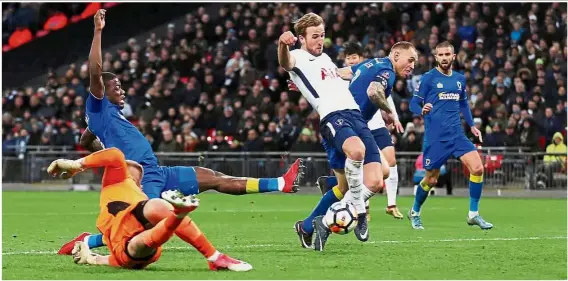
[
  {"x": 325, "y": 202},
  {"x": 95, "y": 241}
]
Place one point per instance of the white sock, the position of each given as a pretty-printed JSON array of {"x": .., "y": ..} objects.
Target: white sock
[
  {"x": 214, "y": 257},
  {"x": 365, "y": 191},
  {"x": 472, "y": 214},
  {"x": 281, "y": 183},
  {"x": 353, "y": 173},
  {"x": 392, "y": 186},
  {"x": 86, "y": 239}
]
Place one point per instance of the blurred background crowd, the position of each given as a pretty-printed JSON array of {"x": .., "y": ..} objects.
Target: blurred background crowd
[{"x": 212, "y": 83}]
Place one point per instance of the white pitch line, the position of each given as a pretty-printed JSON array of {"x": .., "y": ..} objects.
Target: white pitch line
[{"x": 53, "y": 252}]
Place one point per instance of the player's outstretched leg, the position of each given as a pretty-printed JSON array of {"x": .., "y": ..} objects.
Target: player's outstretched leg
[
  {"x": 475, "y": 166},
  {"x": 288, "y": 183},
  {"x": 421, "y": 194},
  {"x": 391, "y": 183}
]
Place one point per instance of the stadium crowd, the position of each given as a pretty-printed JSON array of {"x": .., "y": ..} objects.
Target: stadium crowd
[{"x": 217, "y": 85}]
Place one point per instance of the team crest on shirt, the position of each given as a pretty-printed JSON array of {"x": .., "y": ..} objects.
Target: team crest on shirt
[
  {"x": 459, "y": 85},
  {"x": 440, "y": 86},
  {"x": 339, "y": 122},
  {"x": 385, "y": 74}
]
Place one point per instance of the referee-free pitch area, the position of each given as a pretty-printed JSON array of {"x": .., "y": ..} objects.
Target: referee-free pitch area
[{"x": 528, "y": 241}]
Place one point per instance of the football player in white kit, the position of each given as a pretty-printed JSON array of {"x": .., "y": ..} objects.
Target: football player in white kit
[
  {"x": 353, "y": 53},
  {"x": 342, "y": 124}
]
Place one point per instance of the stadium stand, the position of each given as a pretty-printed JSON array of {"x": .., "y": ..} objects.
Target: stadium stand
[{"x": 215, "y": 85}]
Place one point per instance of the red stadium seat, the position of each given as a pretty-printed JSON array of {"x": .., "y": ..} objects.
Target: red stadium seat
[
  {"x": 19, "y": 37},
  {"x": 42, "y": 33},
  {"x": 58, "y": 21}
]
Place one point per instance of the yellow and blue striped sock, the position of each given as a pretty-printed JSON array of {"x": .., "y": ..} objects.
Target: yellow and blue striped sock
[
  {"x": 475, "y": 187},
  {"x": 262, "y": 185},
  {"x": 330, "y": 197},
  {"x": 421, "y": 195}
]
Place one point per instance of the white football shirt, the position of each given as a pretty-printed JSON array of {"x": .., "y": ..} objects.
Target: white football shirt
[{"x": 318, "y": 80}]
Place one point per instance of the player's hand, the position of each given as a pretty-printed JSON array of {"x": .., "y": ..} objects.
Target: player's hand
[
  {"x": 100, "y": 19},
  {"x": 64, "y": 168},
  {"x": 287, "y": 38},
  {"x": 398, "y": 126},
  {"x": 292, "y": 86},
  {"x": 427, "y": 108},
  {"x": 477, "y": 133}
]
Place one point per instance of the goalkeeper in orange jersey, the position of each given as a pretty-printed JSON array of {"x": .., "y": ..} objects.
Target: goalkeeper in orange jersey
[{"x": 133, "y": 226}]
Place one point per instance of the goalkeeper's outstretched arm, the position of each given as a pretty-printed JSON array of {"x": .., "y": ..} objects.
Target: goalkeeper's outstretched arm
[{"x": 109, "y": 158}]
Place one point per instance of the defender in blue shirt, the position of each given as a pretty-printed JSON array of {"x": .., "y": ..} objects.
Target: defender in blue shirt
[
  {"x": 107, "y": 127},
  {"x": 379, "y": 70},
  {"x": 443, "y": 95}
]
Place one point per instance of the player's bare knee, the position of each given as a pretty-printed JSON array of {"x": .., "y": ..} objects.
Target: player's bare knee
[
  {"x": 432, "y": 181},
  {"x": 156, "y": 210},
  {"x": 374, "y": 184},
  {"x": 354, "y": 149},
  {"x": 391, "y": 161},
  {"x": 477, "y": 169},
  {"x": 386, "y": 171}
]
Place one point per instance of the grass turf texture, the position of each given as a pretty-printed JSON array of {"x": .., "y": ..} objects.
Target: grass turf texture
[{"x": 528, "y": 241}]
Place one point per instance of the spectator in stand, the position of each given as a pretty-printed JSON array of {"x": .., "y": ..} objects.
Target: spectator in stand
[
  {"x": 253, "y": 142},
  {"x": 307, "y": 142}
]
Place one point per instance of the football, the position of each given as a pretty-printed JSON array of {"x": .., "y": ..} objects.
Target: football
[{"x": 341, "y": 217}]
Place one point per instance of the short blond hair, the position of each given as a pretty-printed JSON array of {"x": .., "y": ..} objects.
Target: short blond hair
[
  {"x": 402, "y": 45},
  {"x": 308, "y": 20}
]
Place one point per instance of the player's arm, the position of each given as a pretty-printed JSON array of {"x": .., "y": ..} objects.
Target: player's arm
[
  {"x": 112, "y": 159},
  {"x": 376, "y": 93},
  {"x": 466, "y": 113},
  {"x": 285, "y": 58},
  {"x": 96, "y": 58},
  {"x": 419, "y": 96},
  {"x": 464, "y": 108},
  {"x": 90, "y": 142},
  {"x": 393, "y": 108},
  {"x": 346, "y": 73}
]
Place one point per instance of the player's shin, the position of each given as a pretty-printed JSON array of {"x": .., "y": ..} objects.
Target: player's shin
[
  {"x": 354, "y": 175},
  {"x": 162, "y": 232},
  {"x": 475, "y": 188},
  {"x": 421, "y": 195},
  {"x": 330, "y": 197},
  {"x": 254, "y": 185},
  {"x": 189, "y": 232},
  {"x": 392, "y": 186}
]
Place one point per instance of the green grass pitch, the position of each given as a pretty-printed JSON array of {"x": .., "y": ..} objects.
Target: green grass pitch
[{"x": 528, "y": 241}]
